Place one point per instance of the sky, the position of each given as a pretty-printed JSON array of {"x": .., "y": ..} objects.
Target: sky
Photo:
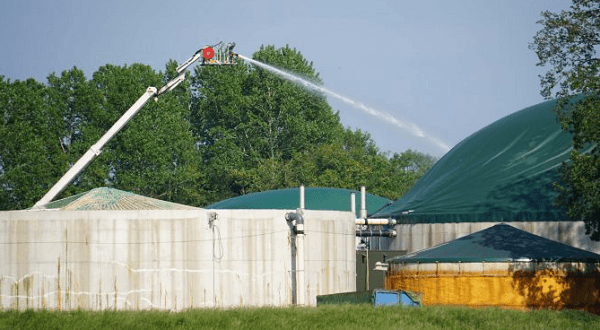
[{"x": 448, "y": 67}]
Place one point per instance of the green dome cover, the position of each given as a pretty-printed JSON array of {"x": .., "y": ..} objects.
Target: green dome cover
[
  {"x": 504, "y": 172},
  {"x": 316, "y": 198},
  {"x": 499, "y": 243}
]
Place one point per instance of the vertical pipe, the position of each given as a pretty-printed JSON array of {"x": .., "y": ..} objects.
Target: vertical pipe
[
  {"x": 302, "y": 197},
  {"x": 363, "y": 202},
  {"x": 367, "y": 275},
  {"x": 301, "y": 291},
  {"x": 353, "y": 202},
  {"x": 363, "y": 215}
]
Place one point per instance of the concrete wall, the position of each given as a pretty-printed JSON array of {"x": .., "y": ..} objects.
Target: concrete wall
[
  {"x": 415, "y": 237},
  {"x": 168, "y": 259}
]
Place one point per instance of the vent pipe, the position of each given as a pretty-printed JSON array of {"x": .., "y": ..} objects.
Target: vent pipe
[
  {"x": 302, "y": 197},
  {"x": 363, "y": 203}
]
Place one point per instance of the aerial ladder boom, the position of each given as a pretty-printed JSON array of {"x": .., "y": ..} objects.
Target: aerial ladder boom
[{"x": 208, "y": 56}]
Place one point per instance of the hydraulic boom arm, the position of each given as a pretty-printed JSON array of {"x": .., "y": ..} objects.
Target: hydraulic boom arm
[{"x": 223, "y": 56}]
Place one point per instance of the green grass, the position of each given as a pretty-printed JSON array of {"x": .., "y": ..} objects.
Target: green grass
[{"x": 325, "y": 317}]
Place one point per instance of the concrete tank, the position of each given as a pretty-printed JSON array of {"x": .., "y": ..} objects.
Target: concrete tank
[{"x": 169, "y": 259}]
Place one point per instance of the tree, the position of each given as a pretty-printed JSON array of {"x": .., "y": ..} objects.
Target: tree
[
  {"x": 258, "y": 131},
  {"x": 232, "y": 130},
  {"x": 45, "y": 129},
  {"x": 248, "y": 121},
  {"x": 73, "y": 97},
  {"x": 30, "y": 143},
  {"x": 568, "y": 44},
  {"x": 155, "y": 155}
]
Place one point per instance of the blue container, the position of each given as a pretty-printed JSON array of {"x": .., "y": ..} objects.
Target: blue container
[{"x": 393, "y": 298}]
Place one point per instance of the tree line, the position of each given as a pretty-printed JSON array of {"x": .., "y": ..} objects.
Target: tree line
[
  {"x": 224, "y": 132},
  {"x": 568, "y": 45}
]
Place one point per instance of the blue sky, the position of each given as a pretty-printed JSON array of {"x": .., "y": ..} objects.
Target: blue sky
[{"x": 449, "y": 67}]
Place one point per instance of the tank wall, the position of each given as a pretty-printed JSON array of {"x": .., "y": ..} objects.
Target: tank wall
[
  {"x": 167, "y": 259},
  {"x": 520, "y": 285},
  {"x": 330, "y": 253},
  {"x": 415, "y": 237}
]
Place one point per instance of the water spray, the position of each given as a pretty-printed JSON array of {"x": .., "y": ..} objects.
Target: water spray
[{"x": 410, "y": 127}]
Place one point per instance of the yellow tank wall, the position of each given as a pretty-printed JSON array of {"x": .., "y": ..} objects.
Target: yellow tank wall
[{"x": 519, "y": 289}]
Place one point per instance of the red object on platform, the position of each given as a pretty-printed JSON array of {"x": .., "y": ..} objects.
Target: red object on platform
[{"x": 208, "y": 53}]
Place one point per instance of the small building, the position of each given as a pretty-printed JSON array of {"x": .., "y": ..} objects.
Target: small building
[{"x": 501, "y": 266}]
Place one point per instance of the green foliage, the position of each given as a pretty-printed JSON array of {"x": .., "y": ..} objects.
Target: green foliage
[
  {"x": 249, "y": 121},
  {"x": 46, "y": 128},
  {"x": 260, "y": 132},
  {"x": 568, "y": 43},
  {"x": 354, "y": 162},
  {"x": 325, "y": 317},
  {"x": 230, "y": 130},
  {"x": 30, "y": 142},
  {"x": 155, "y": 154}
]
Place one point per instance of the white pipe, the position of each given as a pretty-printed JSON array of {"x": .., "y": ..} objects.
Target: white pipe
[
  {"x": 300, "y": 282},
  {"x": 353, "y": 202},
  {"x": 389, "y": 222},
  {"x": 297, "y": 218},
  {"x": 363, "y": 202},
  {"x": 302, "y": 197}
]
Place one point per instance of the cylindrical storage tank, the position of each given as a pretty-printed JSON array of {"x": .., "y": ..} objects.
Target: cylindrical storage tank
[
  {"x": 503, "y": 267},
  {"x": 113, "y": 250}
]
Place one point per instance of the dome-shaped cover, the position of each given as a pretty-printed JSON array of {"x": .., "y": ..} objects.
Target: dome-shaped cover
[
  {"x": 315, "y": 198},
  {"x": 113, "y": 199},
  {"x": 500, "y": 243},
  {"x": 503, "y": 172}
]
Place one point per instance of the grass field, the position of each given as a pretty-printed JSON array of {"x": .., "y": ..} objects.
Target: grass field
[{"x": 325, "y": 317}]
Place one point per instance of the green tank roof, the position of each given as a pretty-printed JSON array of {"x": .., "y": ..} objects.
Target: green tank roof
[
  {"x": 113, "y": 199},
  {"x": 499, "y": 243},
  {"x": 315, "y": 198},
  {"x": 504, "y": 172}
]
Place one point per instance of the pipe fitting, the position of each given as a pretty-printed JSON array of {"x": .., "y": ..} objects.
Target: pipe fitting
[
  {"x": 298, "y": 217},
  {"x": 295, "y": 216}
]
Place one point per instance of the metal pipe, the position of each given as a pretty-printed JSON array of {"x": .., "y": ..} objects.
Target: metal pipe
[
  {"x": 365, "y": 222},
  {"x": 301, "y": 284},
  {"x": 302, "y": 197},
  {"x": 298, "y": 218},
  {"x": 375, "y": 233},
  {"x": 363, "y": 203},
  {"x": 353, "y": 202}
]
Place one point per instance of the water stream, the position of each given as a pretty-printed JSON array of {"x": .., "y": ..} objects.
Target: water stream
[{"x": 409, "y": 127}]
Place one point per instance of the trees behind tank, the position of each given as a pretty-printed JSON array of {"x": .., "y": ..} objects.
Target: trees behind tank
[
  {"x": 46, "y": 128},
  {"x": 260, "y": 132},
  {"x": 230, "y": 130},
  {"x": 30, "y": 142},
  {"x": 568, "y": 43}
]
